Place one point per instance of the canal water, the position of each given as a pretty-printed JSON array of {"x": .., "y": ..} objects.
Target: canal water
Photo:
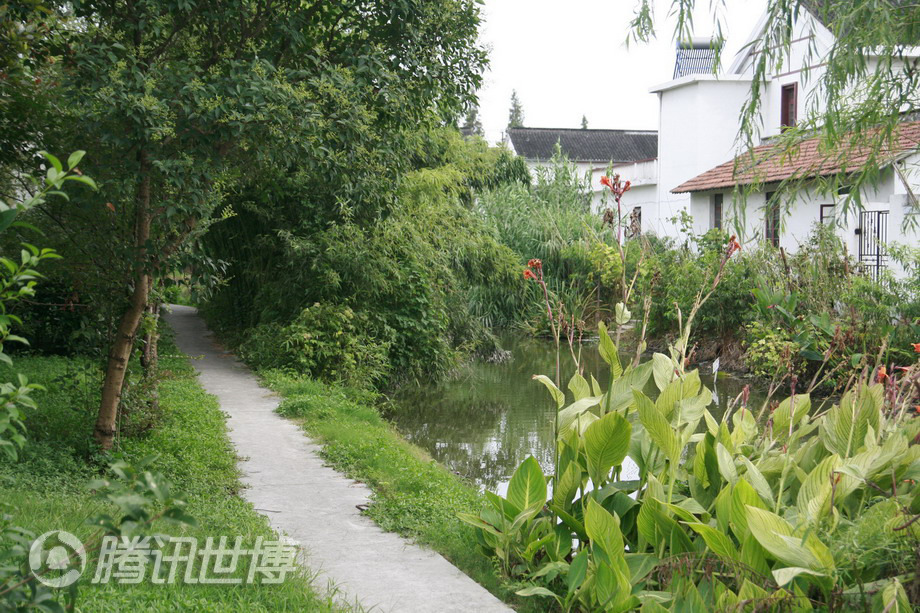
[{"x": 490, "y": 417}]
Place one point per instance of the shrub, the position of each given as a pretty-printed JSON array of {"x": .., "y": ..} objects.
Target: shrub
[
  {"x": 769, "y": 351},
  {"x": 326, "y": 341}
]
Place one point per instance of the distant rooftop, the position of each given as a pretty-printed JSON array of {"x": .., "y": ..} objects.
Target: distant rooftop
[{"x": 585, "y": 145}]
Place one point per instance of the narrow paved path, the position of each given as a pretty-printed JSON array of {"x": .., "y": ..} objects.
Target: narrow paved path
[{"x": 313, "y": 504}]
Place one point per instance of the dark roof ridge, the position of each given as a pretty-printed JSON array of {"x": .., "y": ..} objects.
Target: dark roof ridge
[{"x": 589, "y": 129}]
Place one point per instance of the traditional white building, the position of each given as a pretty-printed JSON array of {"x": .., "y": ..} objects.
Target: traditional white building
[
  {"x": 698, "y": 144},
  {"x": 630, "y": 153}
]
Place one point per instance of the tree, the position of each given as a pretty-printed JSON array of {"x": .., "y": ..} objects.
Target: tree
[
  {"x": 516, "y": 113},
  {"x": 472, "y": 122},
  {"x": 584, "y": 122},
  {"x": 184, "y": 99},
  {"x": 870, "y": 81}
]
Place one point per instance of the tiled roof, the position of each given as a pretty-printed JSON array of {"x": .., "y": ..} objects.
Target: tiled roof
[
  {"x": 768, "y": 165},
  {"x": 585, "y": 145}
]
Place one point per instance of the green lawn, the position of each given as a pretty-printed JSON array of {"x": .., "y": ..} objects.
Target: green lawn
[
  {"x": 413, "y": 494},
  {"x": 46, "y": 489}
]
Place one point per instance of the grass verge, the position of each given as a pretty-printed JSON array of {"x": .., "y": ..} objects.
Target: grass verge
[
  {"x": 46, "y": 489},
  {"x": 413, "y": 494}
]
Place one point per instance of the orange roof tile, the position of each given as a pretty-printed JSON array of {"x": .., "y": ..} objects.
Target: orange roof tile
[{"x": 769, "y": 165}]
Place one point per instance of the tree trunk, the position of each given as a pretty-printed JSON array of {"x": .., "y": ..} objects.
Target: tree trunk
[
  {"x": 150, "y": 359},
  {"x": 120, "y": 353}
]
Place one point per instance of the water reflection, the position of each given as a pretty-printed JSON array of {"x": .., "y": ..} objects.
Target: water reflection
[{"x": 484, "y": 422}]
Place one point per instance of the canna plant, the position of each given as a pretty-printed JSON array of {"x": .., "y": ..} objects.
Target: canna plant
[{"x": 656, "y": 503}]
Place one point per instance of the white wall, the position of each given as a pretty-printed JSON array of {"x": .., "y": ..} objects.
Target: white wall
[
  {"x": 697, "y": 131},
  {"x": 641, "y": 175}
]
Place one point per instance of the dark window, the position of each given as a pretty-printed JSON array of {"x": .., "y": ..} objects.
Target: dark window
[
  {"x": 717, "y": 200},
  {"x": 789, "y": 106},
  {"x": 771, "y": 219},
  {"x": 827, "y": 213}
]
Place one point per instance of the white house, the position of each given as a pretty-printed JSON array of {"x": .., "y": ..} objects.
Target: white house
[
  {"x": 697, "y": 148},
  {"x": 630, "y": 153}
]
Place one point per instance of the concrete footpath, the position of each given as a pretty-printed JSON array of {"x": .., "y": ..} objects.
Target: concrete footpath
[{"x": 314, "y": 505}]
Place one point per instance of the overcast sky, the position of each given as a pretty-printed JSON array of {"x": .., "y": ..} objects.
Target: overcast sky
[{"x": 568, "y": 58}]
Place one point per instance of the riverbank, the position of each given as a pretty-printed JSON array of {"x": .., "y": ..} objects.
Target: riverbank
[
  {"x": 414, "y": 495},
  {"x": 46, "y": 489}
]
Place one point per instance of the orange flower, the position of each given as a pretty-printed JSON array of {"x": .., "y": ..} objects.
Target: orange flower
[
  {"x": 528, "y": 274},
  {"x": 535, "y": 263},
  {"x": 733, "y": 246},
  {"x": 605, "y": 180},
  {"x": 882, "y": 375},
  {"x": 917, "y": 347}
]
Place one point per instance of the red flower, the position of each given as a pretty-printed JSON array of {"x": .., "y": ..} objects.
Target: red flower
[
  {"x": 627, "y": 186},
  {"x": 605, "y": 180},
  {"x": 917, "y": 347},
  {"x": 535, "y": 263},
  {"x": 528, "y": 274},
  {"x": 733, "y": 246}
]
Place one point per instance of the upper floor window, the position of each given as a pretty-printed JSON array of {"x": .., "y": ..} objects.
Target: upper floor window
[
  {"x": 716, "y": 215},
  {"x": 789, "y": 106}
]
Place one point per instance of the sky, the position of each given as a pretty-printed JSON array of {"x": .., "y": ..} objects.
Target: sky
[{"x": 568, "y": 58}]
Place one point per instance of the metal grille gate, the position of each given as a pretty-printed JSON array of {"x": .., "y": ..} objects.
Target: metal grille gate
[{"x": 873, "y": 236}]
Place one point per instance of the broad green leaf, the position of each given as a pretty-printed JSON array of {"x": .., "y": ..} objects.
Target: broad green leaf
[
  {"x": 782, "y": 576},
  {"x": 527, "y": 487},
  {"x": 844, "y": 428},
  {"x": 784, "y": 412},
  {"x": 776, "y": 536},
  {"x": 550, "y": 568},
  {"x": 477, "y": 522},
  {"x": 55, "y": 162},
  {"x": 606, "y": 445},
  {"x": 621, "y": 314},
  {"x": 578, "y": 569},
  {"x": 6, "y": 219},
  {"x": 640, "y": 565},
  {"x": 571, "y": 521},
  {"x": 718, "y": 542},
  {"x": 74, "y": 159},
  {"x": 743, "y": 495},
  {"x": 603, "y": 529},
  {"x": 894, "y": 599},
  {"x": 658, "y": 428},
  {"x": 502, "y": 505},
  {"x": 609, "y": 352},
  {"x": 569, "y": 414},
  {"x": 579, "y": 387},
  {"x": 536, "y": 591},
  {"x": 564, "y": 491},
  {"x": 726, "y": 464},
  {"x": 663, "y": 370},
  {"x": 554, "y": 391},
  {"x": 669, "y": 397},
  {"x": 757, "y": 480},
  {"x": 814, "y": 497}
]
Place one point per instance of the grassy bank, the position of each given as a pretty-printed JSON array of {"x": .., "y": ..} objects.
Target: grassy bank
[
  {"x": 413, "y": 494},
  {"x": 46, "y": 489}
]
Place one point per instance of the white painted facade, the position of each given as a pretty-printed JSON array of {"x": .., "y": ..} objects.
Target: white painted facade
[
  {"x": 642, "y": 176},
  {"x": 698, "y": 130}
]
